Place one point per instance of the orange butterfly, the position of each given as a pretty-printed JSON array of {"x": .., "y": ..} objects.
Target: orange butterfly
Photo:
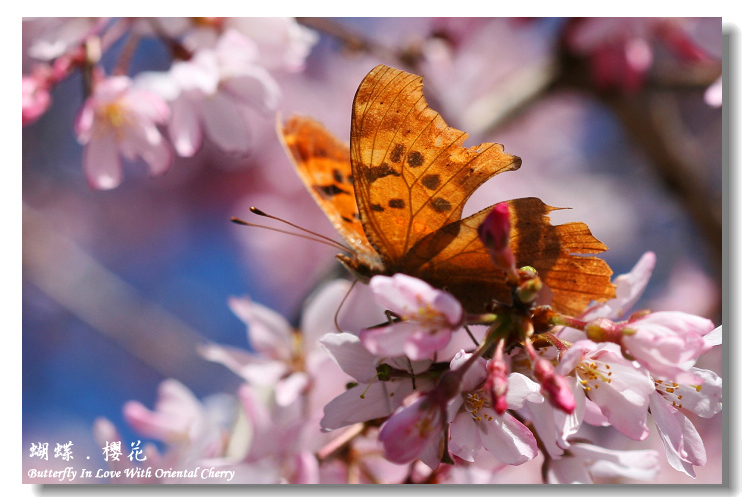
[{"x": 397, "y": 194}]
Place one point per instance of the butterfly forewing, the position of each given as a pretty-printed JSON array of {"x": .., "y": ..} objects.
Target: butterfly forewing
[
  {"x": 412, "y": 174},
  {"x": 323, "y": 163}
]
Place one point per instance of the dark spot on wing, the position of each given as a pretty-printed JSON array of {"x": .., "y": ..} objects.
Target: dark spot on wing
[
  {"x": 337, "y": 176},
  {"x": 440, "y": 204},
  {"x": 377, "y": 208},
  {"x": 431, "y": 181},
  {"x": 396, "y": 203},
  {"x": 376, "y": 172},
  {"x": 397, "y": 153},
  {"x": 415, "y": 159},
  {"x": 329, "y": 191}
]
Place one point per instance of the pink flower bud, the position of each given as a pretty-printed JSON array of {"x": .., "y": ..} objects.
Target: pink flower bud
[
  {"x": 554, "y": 386},
  {"x": 603, "y": 330},
  {"x": 497, "y": 379},
  {"x": 495, "y": 235},
  {"x": 35, "y": 97}
]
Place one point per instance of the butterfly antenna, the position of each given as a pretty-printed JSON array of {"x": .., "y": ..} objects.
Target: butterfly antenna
[
  {"x": 315, "y": 238},
  {"x": 342, "y": 303},
  {"x": 257, "y": 211}
]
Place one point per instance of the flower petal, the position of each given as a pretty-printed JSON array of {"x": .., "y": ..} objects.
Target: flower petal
[
  {"x": 185, "y": 126},
  {"x": 269, "y": 333},
  {"x": 101, "y": 163},
  {"x": 225, "y": 124},
  {"x": 350, "y": 354},
  {"x": 508, "y": 439}
]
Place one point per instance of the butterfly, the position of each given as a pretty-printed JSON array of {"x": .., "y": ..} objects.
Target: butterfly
[{"x": 396, "y": 196}]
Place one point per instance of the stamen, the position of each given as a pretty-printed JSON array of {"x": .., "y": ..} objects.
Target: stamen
[{"x": 592, "y": 374}]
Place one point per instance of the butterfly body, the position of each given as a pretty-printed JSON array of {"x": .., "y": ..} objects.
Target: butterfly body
[{"x": 397, "y": 193}]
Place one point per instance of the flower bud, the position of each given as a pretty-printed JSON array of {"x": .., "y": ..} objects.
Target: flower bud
[
  {"x": 554, "y": 385},
  {"x": 495, "y": 235},
  {"x": 529, "y": 289},
  {"x": 497, "y": 379},
  {"x": 603, "y": 330}
]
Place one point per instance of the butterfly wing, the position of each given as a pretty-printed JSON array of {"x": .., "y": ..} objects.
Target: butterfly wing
[
  {"x": 454, "y": 258},
  {"x": 412, "y": 176},
  {"x": 323, "y": 163}
]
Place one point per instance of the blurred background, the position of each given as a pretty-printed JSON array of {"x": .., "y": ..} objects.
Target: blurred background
[{"x": 618, "y": 119}]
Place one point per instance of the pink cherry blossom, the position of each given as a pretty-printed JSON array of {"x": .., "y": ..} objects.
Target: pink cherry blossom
[
  {"x": 629, "y": 287},
  {"x": 213, "y": 94},
  {"x": 683, "y": 445},
  {"x": 476, "y": 424},
  {"x": 617, "y": 386},
  {"x": 119, "y": 118},
  {"x": 371, "y": 398},
  {"x": 663, "y": 342},
  {"x": 35, "y": 97},
  {"x": 414, "y": 432},
  {"x": 284, "y": 358},
  {"x": 282, "y": 43},
  {"x": 282, "y": 438},
  {"x": 620, "y": 50},
  {"x": 178, "y": 418},
  {"x": 428, "y": 317},
  {"x": 50, "y": 37},
  {"x": 582, "y": 462}
]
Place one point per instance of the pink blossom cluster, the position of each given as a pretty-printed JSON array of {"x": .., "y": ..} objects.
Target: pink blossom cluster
[
  {"x": 621, "y": 51},
  {"x": 222, "y": 72},
  {"x": 434, "y": 394}
]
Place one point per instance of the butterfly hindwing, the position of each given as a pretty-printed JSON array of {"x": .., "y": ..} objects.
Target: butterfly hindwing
[
  {"x": 464, "y": 268},
  {"x": 412, "y": 174}
]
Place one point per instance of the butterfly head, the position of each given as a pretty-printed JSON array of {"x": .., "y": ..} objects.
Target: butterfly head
[{"x": 361, "y": 268}]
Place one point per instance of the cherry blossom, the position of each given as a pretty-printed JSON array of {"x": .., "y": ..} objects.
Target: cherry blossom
[
  {"x": 213, "y": 93},
  {"x": 619, "y": 388},
  {"x": 35, "y": 97},
  {"x": 629, "y": 288},
  {"x": 683, "y": 445},
  {"x": 620, "y": 50},
  {"x": 194, "y": 433},
  {"x": 119, "y": 118},
  {"x": 663, "y": 342},
  {"x": 415, "y": 431},
  {"x": 50, "y": 37},
  {"x": 427, "y": 318},
  {"x": 288, "y": 457},
  {"x": 476, "y": 424},
  {"x": 373, "y": 397},
  {"x": 282, "y": 43},
  {"x": 284, "y": 358},
  {"x": 583, "y": 461},
  {"x": 178, "y": 418}
]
